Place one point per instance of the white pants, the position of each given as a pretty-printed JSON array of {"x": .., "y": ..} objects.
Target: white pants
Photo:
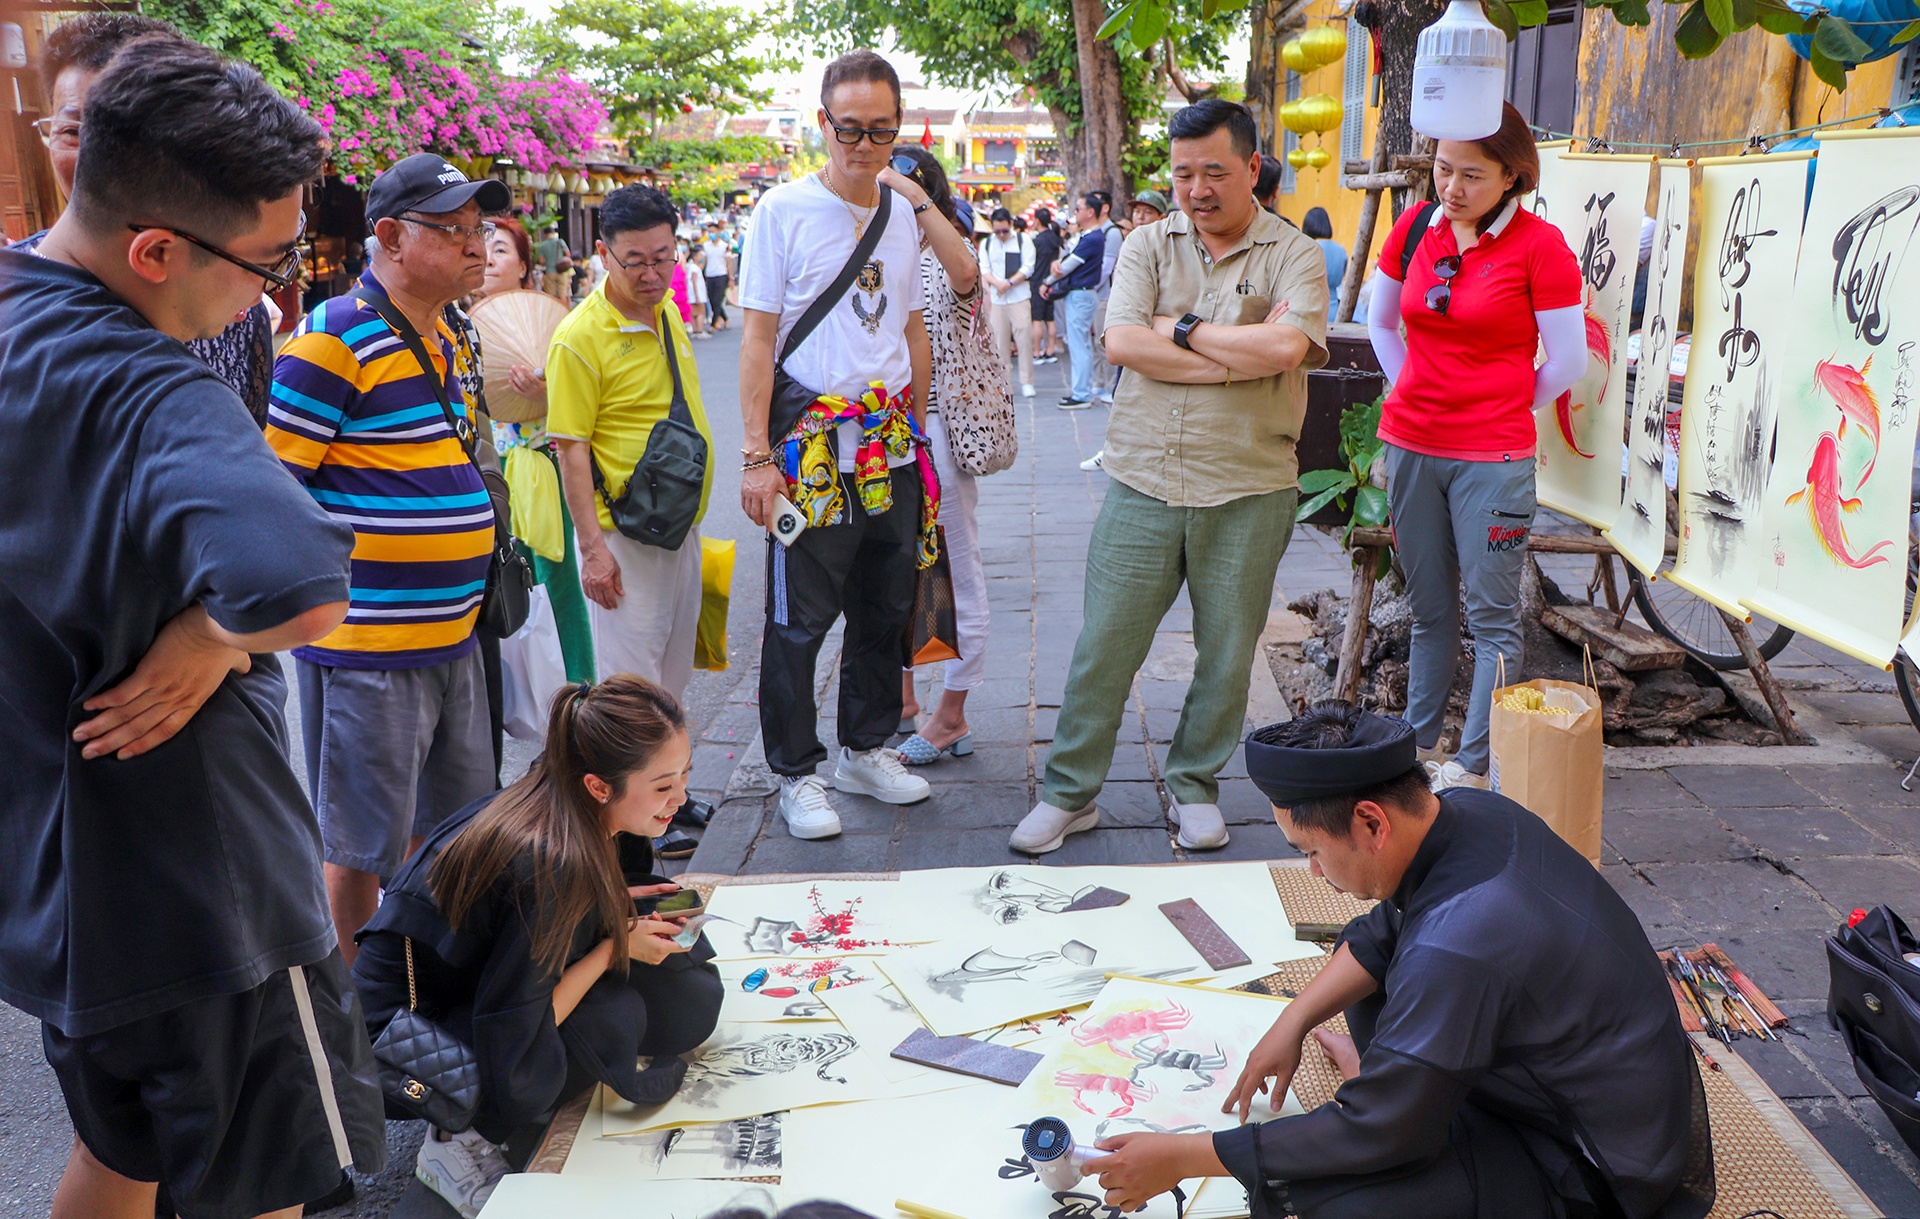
[
  {"x": 651, "y": 632},
  {"x": 1012, "y": 326},
  {"x": 959, "y": 504},
  {"x": 1103, "y": 372}
]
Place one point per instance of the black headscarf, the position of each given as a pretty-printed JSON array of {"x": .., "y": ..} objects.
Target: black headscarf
[{"x": 1378, "y": 749}]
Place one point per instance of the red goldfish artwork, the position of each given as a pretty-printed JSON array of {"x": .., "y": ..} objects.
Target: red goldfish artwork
[
  {"x": 1825, "y": 504},
  {"x": 1599, "y": 347},
  {"x": 1848, "y": 388}
]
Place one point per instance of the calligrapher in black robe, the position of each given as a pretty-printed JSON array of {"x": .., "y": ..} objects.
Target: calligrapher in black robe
[{"x": 1522, "y": 1056}]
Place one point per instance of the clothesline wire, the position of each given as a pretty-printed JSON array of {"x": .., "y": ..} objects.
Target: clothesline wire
[{"x": 1751, "y": 141}]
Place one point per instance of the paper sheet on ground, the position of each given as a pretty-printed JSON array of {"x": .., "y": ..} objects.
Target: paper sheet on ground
[
  {"x": 973, "y": 982},
  {"x": 542, "y": 1195},
  {"x": 823, "y": 918},
  {"x": 1152, "y": 1057},
  {"x": 957, "y": 1152},
  {"x": 748, "y": 1147},
  {"x": 1220, "y": 1198},
  {"x": 767, "y": 989}
]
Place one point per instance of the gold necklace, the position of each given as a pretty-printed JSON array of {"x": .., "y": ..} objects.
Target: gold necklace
[{"x": 859, "y": 224}]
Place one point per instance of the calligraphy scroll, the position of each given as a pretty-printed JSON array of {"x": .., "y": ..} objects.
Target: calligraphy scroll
[
  {"x": 1837, "y": 499},
  {"x": 1640, "y": 532},
  {"x": 1751, "y": 209},
  {"x": 1597, "y": 202}
]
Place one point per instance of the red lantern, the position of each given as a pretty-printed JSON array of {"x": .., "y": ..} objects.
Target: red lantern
[{"x": 686, "y": 107}]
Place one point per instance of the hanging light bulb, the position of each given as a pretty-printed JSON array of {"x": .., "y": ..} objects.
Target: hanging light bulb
[{"x": 1460, "y": 75}]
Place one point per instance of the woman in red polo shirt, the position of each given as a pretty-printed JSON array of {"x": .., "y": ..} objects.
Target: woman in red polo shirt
[{"x": 1486, "y": 283}]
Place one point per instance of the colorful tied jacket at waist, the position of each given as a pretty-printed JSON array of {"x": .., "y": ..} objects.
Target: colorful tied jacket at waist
[{"x": 887, "y": 430}]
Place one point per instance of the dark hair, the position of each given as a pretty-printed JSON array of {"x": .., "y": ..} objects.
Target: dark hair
[
  {"x": 522, "y": 244},
  {"x": 1267, "y": 184},
  {"x": 1316, "y": 224},
  {"x": 1329, "y": 725},
  {"x": 1514, "y": 148},
  {"x": 176, "y": 134},
  {"x": 90, "y": 40},
  {"x": 1209, "y": 115},
  {"x": 1102, "y": 200},
  {"x": 632, "y": 208},
  {"x": 1000, "y": 216},
  {"x": 1019, "y": 224},
  {"x": 929, "y": 173},
  {"x": 859, "y": 66},
  {"x": 1043, "y": 216},
  {"x": 548, "y": 825}
]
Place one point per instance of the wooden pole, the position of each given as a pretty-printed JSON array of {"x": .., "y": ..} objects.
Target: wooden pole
[
  {"x": 1770, "y": 690},
  {"x": 1366, "y": 560},
  {"x": 1362, "y": 240}
]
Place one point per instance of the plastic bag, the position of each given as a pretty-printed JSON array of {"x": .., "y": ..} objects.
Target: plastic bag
[
  {"x": 535, "y": 489},
  {"x": 716, "y": 592},
  {"x": 532, "y": 671}
]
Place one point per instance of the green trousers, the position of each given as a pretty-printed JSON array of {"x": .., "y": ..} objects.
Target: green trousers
[
  {"x": 562, "y": 580},
  {"x": 1140, "y": 553}
]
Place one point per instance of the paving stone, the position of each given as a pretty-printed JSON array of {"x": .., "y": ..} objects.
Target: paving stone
[
  {"x": 1841, "y": 1130},
  {"x": 847, "y": 853},
  {"x": 1115, "y": 846},
  {"x": 1000, "y": 694},
  {"x": 713, "y": 766},
  {"x": 1657, "y": 913},
  {"x": 1895, "y": 740},
  {"x": 1863, "y": 882},
  {"x": 1829, "y": 1054},
  {"x": 1249, "y": 842},
  {"x": 1161, "y": 725},
  {"x": 1241, "y": 803},
  {"x": 1132, "y": 805},
  {"x": 1001, "y": 727},
  {"x": 986, "y": 845},
  {"x": 1716, "y": 896},
  {"x": 858, "y": 815},
  {"x": 1804, "y": 833},
  {"x": 1162, "y": 695},
  {"x": 1742, "y": 786},
  {"x": 1785, "y": 964},
  {"x": 1870, "y": 1113},
  {"x": 1862, "y": 784},
  {"x": 729, "y": 837},
  {"x": 734, "y": 725},
  {"x": 968, "y": 806},
  {"x": 1644, "y": 789},
  {"x": 1855, "y": 707},
  {"x": 1130, "y": 764},
  {"x": 986, "y": 764},
  {"x": 1900, "y": 826},
  {"x": 1786, "y": 1074},
  {"x": 1673, "y": 835}
]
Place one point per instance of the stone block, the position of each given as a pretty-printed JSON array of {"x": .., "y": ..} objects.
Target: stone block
[
  {"x": 986, "y": 764},
  {"x": 1115, "y": 846},
  {"x": 1657, "y": 914},
  {"x": 1716, "y": 897},
  {"x": 1644, "y": 789},
  {"x": 1861, "y": 784},
  {"x": 968, "y": 806},
  {"x": 1248, "y": 842},
  {"x": 1787, "y": 965},
  {"x": 1804, "y": 833},
  {"x": 1856, "y": 707},
  {"x": 1842, "y": 1128},
  {"x": 1241, "y": 803},
  {"x": 1742, "y": 786},
  {"x": 847, "y": 853},
  {"x": 1688, "y": 834},
  {"x": 1788, "y": 1076},
  {"x": 952, "y": 847},
  {"x": 1132, "y": 805},
  {"x": 729, "y": 837},
  {"x": 1863, "y": 882}
]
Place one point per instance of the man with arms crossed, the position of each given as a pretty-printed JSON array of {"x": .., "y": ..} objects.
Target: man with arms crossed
[
  {"x": 1217, "y": 313},
  {"x": 161, "y": 910},
  {"x": 854, "y": 462}
]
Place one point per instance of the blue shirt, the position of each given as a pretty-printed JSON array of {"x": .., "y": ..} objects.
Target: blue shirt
[
  {"x": 133, "y": 484},
  {"x": 1091, "y": 251}
]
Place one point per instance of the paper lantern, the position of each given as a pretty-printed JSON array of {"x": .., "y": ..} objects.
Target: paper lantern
[
  {"x": 1294, "y": 55},
  {"x": 1318, "y": 157},
  {"x": 1324, "y": 45},
  {"x": 1290, "y": 116},
  {"x": 1297, "y": 157},
  {"x": 1321, "y": 112}
]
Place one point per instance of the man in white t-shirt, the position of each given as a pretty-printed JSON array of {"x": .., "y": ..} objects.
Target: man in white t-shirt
[
  {"x": 1006, "y": 263},
  {"x": 714, "y": 270},
  {"x": 853, "y": 462}
]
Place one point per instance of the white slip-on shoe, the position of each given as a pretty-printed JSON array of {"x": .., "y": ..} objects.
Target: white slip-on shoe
[
  {"x": 1202, "y": 828},
  {"x": 1431, "y": 758},
  {"x": 1452, "y": 774},
  {"x": 1095, "y": 462},
  {"x": 1026, "y": 391},
  {"x": 804, "y": 805},
  {"x": 1046, "y": 827},
  {"x": 463, "y": 1169},
  {"x": 879, "y": 773}
]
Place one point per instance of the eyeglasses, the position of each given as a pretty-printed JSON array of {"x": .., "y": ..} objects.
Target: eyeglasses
[
  {"x": 463, "y": 233},
  {"x": 58, "y": 131},
  {"x": 1441, "y": 293},
  {"x": 281, "y": 275},
  {"x": 656, "y": 265},
  {"x": 880, "y": 136}
]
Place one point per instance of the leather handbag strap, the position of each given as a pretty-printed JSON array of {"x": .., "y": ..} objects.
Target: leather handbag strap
[
  {"x": 413, "y": 993},
  {"x": 1422, "y": 221},
  {"x": 823, "y": 305}
]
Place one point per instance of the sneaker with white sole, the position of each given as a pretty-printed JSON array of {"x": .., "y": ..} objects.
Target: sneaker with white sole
[
  {"x": 463, "y": 1169},
  {"x": 1202, "y": 828},
  {"x": 881, "y": 774},
  {"x": 1095, "y": 462},
  {"x": 1452, "y": 774},
  {"x": 804, "y": 805},
  {"x": 1026, "y": 391},
  {"x": 1431, "y": 758},
  {"x": 1046, "y": 827}
]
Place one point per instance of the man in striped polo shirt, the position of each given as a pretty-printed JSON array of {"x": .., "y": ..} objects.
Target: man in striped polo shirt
[{"x": 394, "y": 702}]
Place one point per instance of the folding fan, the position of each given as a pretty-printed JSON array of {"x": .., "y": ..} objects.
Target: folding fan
[{"x": 515, "y": 328}]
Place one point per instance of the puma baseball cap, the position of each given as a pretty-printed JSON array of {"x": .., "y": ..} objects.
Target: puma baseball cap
[{"x": 425, "y": 182}]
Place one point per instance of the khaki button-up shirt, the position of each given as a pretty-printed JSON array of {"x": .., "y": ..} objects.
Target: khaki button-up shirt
[{"x": 1196, "y": 446}]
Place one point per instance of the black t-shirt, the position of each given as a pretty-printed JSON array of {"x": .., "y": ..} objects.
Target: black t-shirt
[
  {"x": 1046, "y": 249},
  {"x": 133, "y": 484}
]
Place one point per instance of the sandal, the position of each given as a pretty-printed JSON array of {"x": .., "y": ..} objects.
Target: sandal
[{"x": 917, "y": 750}]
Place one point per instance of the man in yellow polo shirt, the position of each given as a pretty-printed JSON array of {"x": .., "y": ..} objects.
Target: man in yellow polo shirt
[{"x": 608, "y": 383}]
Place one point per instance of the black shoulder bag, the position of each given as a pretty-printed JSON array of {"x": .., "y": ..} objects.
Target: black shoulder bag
[
  {"x": 425, "y": 1071},
  {"x": 790, "y": 398},
  {"x": 662, "y": 498},
  {"x": 1422, "y": 221},
  {"x": 509, "y": 593}
]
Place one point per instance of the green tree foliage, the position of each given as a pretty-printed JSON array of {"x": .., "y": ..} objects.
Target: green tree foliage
[{"x": 653, "y": 58}]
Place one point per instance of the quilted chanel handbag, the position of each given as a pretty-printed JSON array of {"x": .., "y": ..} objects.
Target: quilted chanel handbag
[{"x": 425, "y": 1071}]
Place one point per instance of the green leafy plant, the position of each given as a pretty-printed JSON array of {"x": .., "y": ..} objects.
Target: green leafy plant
[{"x": 1360, "y": 446}]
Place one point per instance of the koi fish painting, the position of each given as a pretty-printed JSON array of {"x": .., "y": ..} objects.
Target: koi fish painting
[
  {"x": 1848, "y": 388},
  {"x": 1825, "y": 504}
]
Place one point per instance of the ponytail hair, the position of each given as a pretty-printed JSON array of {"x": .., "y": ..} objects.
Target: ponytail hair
[{"x": 550, "y": 829}]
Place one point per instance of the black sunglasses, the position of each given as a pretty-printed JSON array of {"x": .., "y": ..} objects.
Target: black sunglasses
[
  {"x": 1441, "y": 293},
  {"x": 281, "y": 275},
  {"x": 880, "y": 136}
]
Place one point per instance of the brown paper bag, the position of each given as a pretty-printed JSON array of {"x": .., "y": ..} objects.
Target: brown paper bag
[{"x": 1551, "y": 764}]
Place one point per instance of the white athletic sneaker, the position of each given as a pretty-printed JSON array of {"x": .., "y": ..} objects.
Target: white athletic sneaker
[
  {"x": 1094, "y": 462},
  {"x": 463, "y": 1169},
  {"x": 1046, "y": 827},
  {"x": 808, "y": 812},
  {"x": 1026, "y": 391},
  {"x": 879, "y": 773},
  {"x": 1447, "y": 774},
  {"x": 1202, "y": 828},
  {"x": 1432, "y": 757}
]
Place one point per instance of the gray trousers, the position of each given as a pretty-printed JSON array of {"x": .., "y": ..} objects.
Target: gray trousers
[{"x": 1460, "y": 522}]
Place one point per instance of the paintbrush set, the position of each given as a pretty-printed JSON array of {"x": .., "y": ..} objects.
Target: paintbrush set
[{"x": 1716, "y": 998}]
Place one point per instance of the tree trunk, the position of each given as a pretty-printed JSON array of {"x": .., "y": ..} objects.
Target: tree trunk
[
  {"x": 1400, "y": 24},
  {"x": 1262, "y": 54},
  {"x": 1102, "y": 134}
]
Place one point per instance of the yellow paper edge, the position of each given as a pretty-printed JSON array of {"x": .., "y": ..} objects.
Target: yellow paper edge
[
  {"x": 1759, "y": 603},
  {"x": 1798, "y": 154},
  {"x": 1867, "y": 133}
]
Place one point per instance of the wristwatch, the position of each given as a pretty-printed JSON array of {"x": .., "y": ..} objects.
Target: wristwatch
[
  {"x": 923, "y": 207},
  {"x": 1184, "y": 328}
]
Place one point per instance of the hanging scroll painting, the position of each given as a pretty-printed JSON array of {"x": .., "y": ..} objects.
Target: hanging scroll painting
[
  {"x": 1751, "y": 209},
  {"x": 1597, "y": 203},
  {"x": 1837, "y": 500},
  {"x": 1640, "y": 531}
]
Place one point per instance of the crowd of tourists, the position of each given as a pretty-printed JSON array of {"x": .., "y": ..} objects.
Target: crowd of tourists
[{"x": 238, "y": 980}]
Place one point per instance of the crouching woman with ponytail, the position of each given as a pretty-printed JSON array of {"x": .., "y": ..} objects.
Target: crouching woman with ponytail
[{"x": 520, "y": 910}]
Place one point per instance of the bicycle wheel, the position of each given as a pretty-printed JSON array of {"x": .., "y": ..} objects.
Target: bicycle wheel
[
  {"x": 1696, "y": 625},
  {"x": 1906, "y": 674}
]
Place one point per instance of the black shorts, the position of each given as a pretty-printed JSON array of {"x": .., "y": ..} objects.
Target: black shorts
[
  {"x": 242, "y": 1104},
  {"x": 1042, "y": 310}
]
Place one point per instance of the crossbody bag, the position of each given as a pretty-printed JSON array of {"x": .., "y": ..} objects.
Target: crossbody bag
[
  {"x": 662, "y": 497},
  {"x": 509, "y": 596},
  {"x": 791, "y": 399}
]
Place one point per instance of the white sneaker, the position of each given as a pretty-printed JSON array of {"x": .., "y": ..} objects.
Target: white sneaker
[
  {"x": 1094, "y": 462},
  {"x": 463, "y": 1169},
  {"x": 1026, "y": 391},
  {"x": 879, "y": 773},
  {"x": 1447, "y": 774},
  {"x": 1202, "y": 828},
  {"x": 808, "y": 812},
  {"x": 1046, "y": 827}
]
